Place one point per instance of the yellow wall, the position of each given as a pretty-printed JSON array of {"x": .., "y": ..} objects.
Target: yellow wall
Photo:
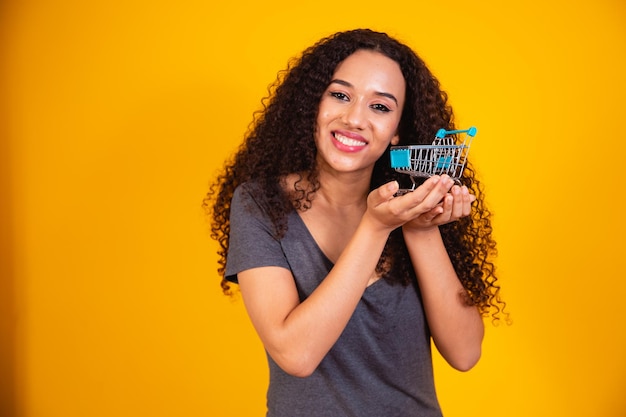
[{"x": 118, "y": 113}]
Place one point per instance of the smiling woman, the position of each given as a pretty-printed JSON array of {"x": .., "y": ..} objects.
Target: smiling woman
[
  {"x": 337, "y": 274},
  {"x": 359, "y": 112}
]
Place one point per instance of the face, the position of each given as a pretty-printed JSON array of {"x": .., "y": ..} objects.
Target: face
[{"x": 359, "y": 112}]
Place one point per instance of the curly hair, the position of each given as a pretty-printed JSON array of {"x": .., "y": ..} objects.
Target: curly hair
[{"x": 286, "y": 126}]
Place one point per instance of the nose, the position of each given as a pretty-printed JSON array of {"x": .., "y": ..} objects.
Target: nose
[{"x": 354, "y": 115}]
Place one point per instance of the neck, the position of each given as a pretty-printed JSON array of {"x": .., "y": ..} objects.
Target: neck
[{"x": 344, "y": 191}]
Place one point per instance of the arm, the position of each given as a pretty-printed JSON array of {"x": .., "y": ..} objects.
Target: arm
[
  {"x": 456, "y": 327},
  {"x": 299, "y": 334}
]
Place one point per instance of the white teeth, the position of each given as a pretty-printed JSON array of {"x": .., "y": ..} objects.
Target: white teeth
[{"x": 347, "y": 141}]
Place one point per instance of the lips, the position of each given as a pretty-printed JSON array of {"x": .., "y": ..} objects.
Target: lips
[{"x": 349, "y": 141}]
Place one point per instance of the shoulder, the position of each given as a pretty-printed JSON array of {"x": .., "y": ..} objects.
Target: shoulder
[
  {"x": 257, "y": 200},
  {"x": 248, "y": 202},
  {"x": 248, "y": 192},
  {"x": 270, "y": 195}
]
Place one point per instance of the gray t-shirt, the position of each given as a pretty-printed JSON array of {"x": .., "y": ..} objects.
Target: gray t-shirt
[{"x": 380, "y": 366}]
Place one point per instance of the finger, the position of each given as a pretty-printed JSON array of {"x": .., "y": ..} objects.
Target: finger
[
  {"x": 449, "y": 206},
  {"x": 427, "y": 200},
  {"x": 424, "y": 189},
  {"x": 435, "y": 194},
  {"x": 459, "y": 204},
  {"x": 383, "y": 193},
  {"x": 413, "y": 201},
  {"x": 433, "y": 214},
  {"x": 468, "y": 199}
]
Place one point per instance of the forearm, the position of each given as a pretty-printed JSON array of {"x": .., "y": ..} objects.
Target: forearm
[
  {"x": 318, "y": 322},
  {"x": 456, "y": 327},
  {"x": 299, "y": 335}
]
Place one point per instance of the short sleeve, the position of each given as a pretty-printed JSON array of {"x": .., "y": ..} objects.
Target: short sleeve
[{"x": 252, "y": 241}]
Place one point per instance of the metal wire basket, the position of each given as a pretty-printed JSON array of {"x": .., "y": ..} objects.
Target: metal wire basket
[{"x": 446, "y": 155}]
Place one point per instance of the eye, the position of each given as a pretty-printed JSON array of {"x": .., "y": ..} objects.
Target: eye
[
  {"x": 381, "y": 108},
  {"x": 339, "y": 96}
]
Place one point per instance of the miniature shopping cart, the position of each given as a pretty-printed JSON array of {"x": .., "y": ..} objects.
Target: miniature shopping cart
[{"x": 446, "y": 155}]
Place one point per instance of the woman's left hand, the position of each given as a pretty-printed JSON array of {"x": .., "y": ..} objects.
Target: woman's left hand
[{"x": 457, "y": 203}]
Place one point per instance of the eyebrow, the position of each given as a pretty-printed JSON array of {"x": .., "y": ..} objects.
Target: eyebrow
[{"x": 378, "y": 93}]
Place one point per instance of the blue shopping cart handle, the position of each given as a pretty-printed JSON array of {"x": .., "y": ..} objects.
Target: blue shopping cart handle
[{"x": 441, "y": 133}]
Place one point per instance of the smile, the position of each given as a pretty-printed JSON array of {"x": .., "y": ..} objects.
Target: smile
[{"x": 344, "y": 140}]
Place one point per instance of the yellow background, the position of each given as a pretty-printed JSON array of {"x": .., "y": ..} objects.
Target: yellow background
[{"x": 115, "y": 115}]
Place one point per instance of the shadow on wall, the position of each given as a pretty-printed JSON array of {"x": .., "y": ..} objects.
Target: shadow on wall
[
  {"x": 8, "y": 405},
  {"x": 7, "y": 301}
]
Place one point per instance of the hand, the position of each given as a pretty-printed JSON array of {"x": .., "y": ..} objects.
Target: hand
[
  {"x": 457, "y": 203},
  {"x": 423, "y": 206}
]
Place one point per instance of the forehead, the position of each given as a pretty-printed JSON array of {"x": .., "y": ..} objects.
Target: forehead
[{"x": 370, "y": 68}]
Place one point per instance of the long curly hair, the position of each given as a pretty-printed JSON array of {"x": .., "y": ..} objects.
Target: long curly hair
[{"x": 286, "y": 126}]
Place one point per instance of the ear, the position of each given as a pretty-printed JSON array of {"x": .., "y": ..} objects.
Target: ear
[{"x": 395, "y": 140}]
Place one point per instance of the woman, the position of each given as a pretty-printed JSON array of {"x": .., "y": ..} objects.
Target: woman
[{"x": 345, "y": 282}]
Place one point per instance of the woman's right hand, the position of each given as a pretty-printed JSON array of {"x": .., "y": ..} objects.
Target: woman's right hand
[{"x": 392, "y": 211}]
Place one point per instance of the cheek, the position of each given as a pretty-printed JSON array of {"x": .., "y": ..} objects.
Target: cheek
[
  {"x": 323, "y": 120},
  {"x": 321, "y": 116},
  {"x": 319, "y": 122},
  {"x": 323, "y": 112},
  {"x": 390, "y": 129},
  {"x": 322, "y": 107}
]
